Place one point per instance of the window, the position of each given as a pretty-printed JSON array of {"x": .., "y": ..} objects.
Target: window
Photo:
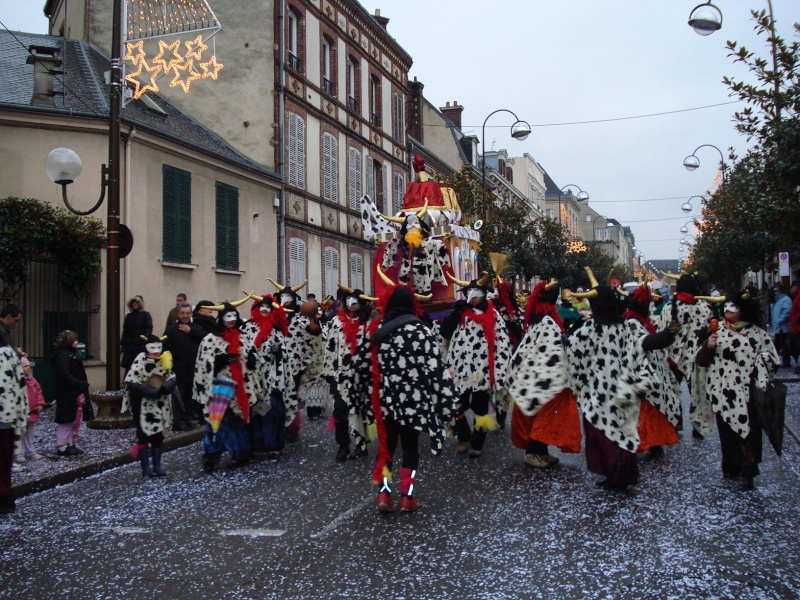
[
  {"x": 297, "y": 261},
  {"x": 357, "y": 271},
  {"x": 326, "y": 64},
  {"x": 177, "y": 223},
  {"x": 227, "y": 227},
  {"x": 376, "y": 184},
  {"x": 353, "y": 178},
  {"x": 297, "y": 151},
  {"x": 397, "y": 117},
  {"x": 352, "y": 84},
  {"x": 375, "y": 100},
  {"x": 398, "y": 191},
  {"x": 331, "y": 272},
  {"x": 292, "y": 41},
  {"x": 330, "y": 164}
]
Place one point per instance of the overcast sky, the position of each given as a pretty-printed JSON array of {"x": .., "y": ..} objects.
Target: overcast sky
[{"x": 579, "y": 60}]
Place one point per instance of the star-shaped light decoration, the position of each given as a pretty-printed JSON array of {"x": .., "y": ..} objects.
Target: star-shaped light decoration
[
  {"x": 195, "y": 48},
  {"x": 134, "y": 51},
  {"x": 172, "y": 63},
  {"x": 214, "y": 70},
  {"x": 140, "y": 88},
  {"x": 191, "y": 75}
]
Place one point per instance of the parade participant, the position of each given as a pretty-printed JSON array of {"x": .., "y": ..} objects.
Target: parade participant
[
  {"x": 410, "y": 392},
  {"x": 270, "y": 388},
  {"x": 137, "y": 323},
  {"x": 13, "y": 412},
  {"x": 418, "y": 259},
  {"x": 607, "y": 382},
  {"x": 569, "y": 315},
  {"x": 303, "y": 346},
  {"x": 346, "y": 368},
  {"x": 693, "y": 315},
  {"x": 148, "y": 388},
  {"x": 732, "y": 362},
  {"x": 203, "y": 317},
  {"x": 72, "y": 392},
  {"x": 479, "y": 352},
  {"x": 660, "y": 409},
  {"x": 537, "y": 378},
  {"x": 220, "y": 356},
  {"x": 183, "y": 339}
]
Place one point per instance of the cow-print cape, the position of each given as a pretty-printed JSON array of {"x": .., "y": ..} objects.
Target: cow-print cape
[
  {"x": 271, "y": 373},
  {"x": 13, "y": 394},
  {"x": 741, "y": 359},
  {"x": 693, "y": 318},
  {"x": 349, "y": 373},
  {"x": 606, "y": 379},
  {"x": 660, "y": 386},
  {"x": 415, "y": 390},
  {"x": 212, "y": 346},
  {"x": 538, "y": 370},
  {"x": 469, "y": 356},
  {"x": 429, "y": 262},
  {"x": 156, "y": 413}
]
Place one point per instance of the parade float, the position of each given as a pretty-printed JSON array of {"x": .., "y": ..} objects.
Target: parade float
[{"x": 424, "y": 242}]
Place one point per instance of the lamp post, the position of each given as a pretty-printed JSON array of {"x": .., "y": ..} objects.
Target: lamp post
[
  {"x": 687, "y": 206},
  {"x": 520, "y": 130},
  {"x": 691, "y": 162},
  {"x": 685, "y": 228},
  {"x": 63, "y": 167},
  {"x": 582, "y": 196},
  {"x": 594, "y": 231}
]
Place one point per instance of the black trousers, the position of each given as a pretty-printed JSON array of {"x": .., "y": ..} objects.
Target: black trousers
[
  {"x": 409, "y": 442},
  {"x": 157, "y": 439}
]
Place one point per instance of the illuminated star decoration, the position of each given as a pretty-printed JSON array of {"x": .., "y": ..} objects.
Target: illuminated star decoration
[
  {"x": 138, "y": 48},
  {"x": 195, "y": 48},
  {"x": 176, "y": 59},
  {"x": 192, "y": 75},
  {"x": 139, "y": 88},
  {"x": 214, "y": 65}
]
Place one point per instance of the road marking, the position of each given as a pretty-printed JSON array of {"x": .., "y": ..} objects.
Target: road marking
[
  {"x": 345, "y": 515},
  {"x": 254, "y": 532},
  {"x": 131, "y": 529}
]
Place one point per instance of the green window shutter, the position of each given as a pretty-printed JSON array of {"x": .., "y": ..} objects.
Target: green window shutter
[
  {"x": 177, "y": 215},
  {"x": 227, "y": 213}
]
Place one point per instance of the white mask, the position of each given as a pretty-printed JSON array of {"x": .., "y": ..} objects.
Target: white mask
[
  {"x": 475, "y": 293},
  {"x": 286, "y": 299},
  {"x": 153, "y": 348},
  {"x": 230, "y": 316},
  {"x": 352, "y": 303},
  {"x": 731, "y": 307},
  {"x": 265, "y": 309}
]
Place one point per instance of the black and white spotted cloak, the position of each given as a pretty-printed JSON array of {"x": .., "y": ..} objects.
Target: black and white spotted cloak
[
  {"x": 606, "y": 381},
  {"x": 468, "y": 355},
  {"x": 538, "y": 370},
  {"x": 156, "y": 413},
  {"x": 13, "y": 392},
  {"x": 693, "y": 318},
  {"x": 429, "y": 260},
  {"x": 214, "y": 345},
  {"x": 660, "y": 386},
  {"x": 313, "y": 388},
  {"x": 271, "y": 373},
  {"x": 415, "y": 390},
  {"x": 350, "y": 373},
  {"x": 741, "y": 359}
]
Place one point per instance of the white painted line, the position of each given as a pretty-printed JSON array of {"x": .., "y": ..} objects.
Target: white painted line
[
  {"x": 345, "y": 515},
  {"x": 254, "y": 532},
  {"x": 131, "y": 529}
]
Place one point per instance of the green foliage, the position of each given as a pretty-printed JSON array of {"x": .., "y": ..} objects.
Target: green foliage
[
  {"x": 756, "y": 213},
  {"x": 31, "y": 228}
]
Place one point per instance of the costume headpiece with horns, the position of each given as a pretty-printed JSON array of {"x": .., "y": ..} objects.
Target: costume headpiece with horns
[
  {"x": 259, "y": 299},
  {"x": 234, "y": 304},
  {"x": 355, "y": 293},
  {"x": 287, "y": 294},
  {"x": 476, "y": 287},
  {"x": 385, "y": 278}
]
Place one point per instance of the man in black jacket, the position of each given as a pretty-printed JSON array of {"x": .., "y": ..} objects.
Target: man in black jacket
[{"x": 183, "y": 339}]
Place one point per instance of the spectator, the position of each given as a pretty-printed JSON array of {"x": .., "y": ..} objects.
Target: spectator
[
  {"x": 36, "y": 405},
  {"x": 138, "y": 323},
  {"x": 780, "y": 323},
  {"x": 72, "y": 392},
  {"x": 13, "y": 410},
  {"x": 10, "y": 317},
  {"x": 794, "y": 324},
  {"x": 183, "y": 340},
  {"x": 173, "y": 312}
]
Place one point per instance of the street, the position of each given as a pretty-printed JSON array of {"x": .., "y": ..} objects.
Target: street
[{"x": 306, "y": 527}]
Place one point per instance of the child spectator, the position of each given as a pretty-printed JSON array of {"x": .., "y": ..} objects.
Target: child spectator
[{"x": 36, "y": 404}]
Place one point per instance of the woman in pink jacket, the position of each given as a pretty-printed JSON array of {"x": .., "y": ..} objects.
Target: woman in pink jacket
[{"x": 36, "y": 404}]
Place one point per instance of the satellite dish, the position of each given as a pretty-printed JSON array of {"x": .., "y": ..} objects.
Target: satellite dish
[{"x": 478, "y": 224}]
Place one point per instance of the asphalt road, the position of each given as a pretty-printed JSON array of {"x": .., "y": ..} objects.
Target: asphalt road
[{"x": 306, "y": 527}]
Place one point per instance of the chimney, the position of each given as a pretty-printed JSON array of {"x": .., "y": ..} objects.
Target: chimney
[
  {"x": 46, "y": 65},
  {"x": 382, "y": 21},
  {"x": 415, "y": 110},
  {"x": 453, "y": 113}
]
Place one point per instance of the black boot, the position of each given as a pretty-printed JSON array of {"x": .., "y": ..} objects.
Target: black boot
[
  {"x": 157, "y": 470},
  {"x": 476, "y": 443},
  {"x": 144, "y": 460},
  {"x": 210, "y": 462},
  {"x": 342, "y": 453},
  {"x": 7, "y": 505},
  {"x": 342, "y": 436}
]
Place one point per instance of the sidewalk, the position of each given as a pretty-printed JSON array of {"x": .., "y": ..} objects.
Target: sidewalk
[{"x": 104, "y": 449}]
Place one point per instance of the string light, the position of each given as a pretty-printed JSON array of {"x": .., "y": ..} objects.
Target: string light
[{"x": 150, "y": 19}]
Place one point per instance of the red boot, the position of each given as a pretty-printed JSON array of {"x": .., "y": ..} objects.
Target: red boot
[
  {"x": 385, "y": 497},
  {"x": 408, "y": 479}
]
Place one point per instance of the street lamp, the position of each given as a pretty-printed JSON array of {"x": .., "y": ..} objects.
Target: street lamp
[
  {"x": 520, "y": 130},
  {"x": 594, "y": 231},
  {"x": 63, "y": 166},
  {"x": 582, "y": 196},
  {"x": 691, "y": 162},
  {"x": 685, "y": 229},
  {"x": 687, "y": 206},
  {"x": 705, "y": 19}
]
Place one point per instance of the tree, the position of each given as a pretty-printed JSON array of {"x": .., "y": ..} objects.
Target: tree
[{"x": 30, "y": 228}]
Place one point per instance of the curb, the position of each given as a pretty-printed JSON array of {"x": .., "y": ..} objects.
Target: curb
[{"x": 123, "y": 458}]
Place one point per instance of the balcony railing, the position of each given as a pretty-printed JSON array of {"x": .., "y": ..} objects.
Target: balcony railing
[
  {"x": 376, "y": 120},
  {"x": 327, "y": 86},
  {"x": 352, "y": 104},
  {"x": 294, "y": 62}
]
